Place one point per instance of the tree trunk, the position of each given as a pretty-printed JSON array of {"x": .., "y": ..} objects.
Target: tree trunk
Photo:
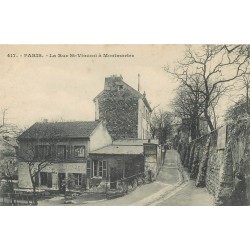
[
  {"x": 10, "y": 184},
  {"x": 208, "y": 119},
  {"x": 34, "y": 196}
]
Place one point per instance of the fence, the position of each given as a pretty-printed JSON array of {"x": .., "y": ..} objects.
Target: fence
[
  {"x": 110, "y": 190},
  {"x": 12, "y": 199},
  {"x": 21, "y": 198}
]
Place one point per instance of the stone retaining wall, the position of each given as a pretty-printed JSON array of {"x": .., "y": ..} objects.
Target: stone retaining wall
[{"x": 225, "y": 172}]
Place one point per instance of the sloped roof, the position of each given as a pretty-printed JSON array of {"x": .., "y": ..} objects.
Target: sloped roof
[
  {"x": 9, "y": 141},
  {"x": 119, "y": 150},
  {"x": 45, "y": 130},
  {"x": 134, "y": 142}
]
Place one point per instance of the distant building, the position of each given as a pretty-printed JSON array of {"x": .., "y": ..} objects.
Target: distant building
[
  {"x": 125, "y": 110},
  {"x": 8, "y": 159},
  {"x": 66, "y": 146}
]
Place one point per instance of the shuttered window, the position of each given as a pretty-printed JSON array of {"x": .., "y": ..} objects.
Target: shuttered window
[
  {"x": 46, "y": 179},
  {"x": 61, "y": 152},
  {"x": 78, "y": 179},
  {"x": 99, "y": 168}
]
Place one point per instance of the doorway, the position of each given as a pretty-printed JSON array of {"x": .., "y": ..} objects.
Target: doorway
[
  {"x": 62, "y": 182},
  {"x": 113, "y": 178}
]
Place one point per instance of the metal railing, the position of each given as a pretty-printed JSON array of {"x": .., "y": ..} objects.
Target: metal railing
[
  {"x": 12, "y": 199},
  {"x": 120, "y": 187},
  {"x": 21, "y": 198}
]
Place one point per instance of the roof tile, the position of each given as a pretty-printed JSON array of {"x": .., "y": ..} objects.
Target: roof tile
[{"x": 78, "y": 129}]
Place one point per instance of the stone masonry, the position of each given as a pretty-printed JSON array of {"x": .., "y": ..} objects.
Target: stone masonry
[{"x": 218, "y": 168}]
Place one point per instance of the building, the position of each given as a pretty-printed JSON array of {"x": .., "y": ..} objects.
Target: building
[
  {"x": 65, "y": 146},
  {"x": 122, "y": 159},
  {"x": 125, "y": 110},
  {"x": 8, "y": 148},
  {"x": 8, "y": 160}
]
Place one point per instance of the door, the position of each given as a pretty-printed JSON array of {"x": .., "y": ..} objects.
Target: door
[
  {"x": 62, "y": 183},
  {"x": 113, "y": 178}
]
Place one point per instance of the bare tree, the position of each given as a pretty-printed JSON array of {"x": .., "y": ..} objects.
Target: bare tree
[
  {"x": 189, "y": 105},
  {"x": 7, "y": 129},
  {"x": 246, "y": 85},
  {"x": 216, "y": 67},
  {"x": 161, "y": 125},
  {"x": 37, "y": 150}
]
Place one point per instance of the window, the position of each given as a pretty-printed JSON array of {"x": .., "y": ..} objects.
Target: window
[
  {"x": 46, "y": 179},
  {"x": 99, "y": 168},
  {"x": 78, "y": 179},
  {"x": 42, "y": 152},
  {"x": 79, "y": 151},
  {"x": 61, "y": 152}
]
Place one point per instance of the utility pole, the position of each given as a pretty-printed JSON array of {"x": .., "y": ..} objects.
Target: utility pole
[
  {"x": 4, "y": 110},
  {"x": 138, "y": 82}
]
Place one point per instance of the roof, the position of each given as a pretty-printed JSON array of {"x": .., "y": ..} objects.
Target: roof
[
  {"x": 45, "y": 130},
  {"x": 9, "y": 141},
  {"x": 134, "y": 142},
  {"x": 119, "y": 150}
]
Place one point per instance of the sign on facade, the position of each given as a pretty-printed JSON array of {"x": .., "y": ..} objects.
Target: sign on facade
[{"x": 222, "y": 138}]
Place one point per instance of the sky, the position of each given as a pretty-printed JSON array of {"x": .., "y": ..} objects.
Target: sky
[
  {"x": 63, "y": 87},
  {"x": 55, "y": 88}
]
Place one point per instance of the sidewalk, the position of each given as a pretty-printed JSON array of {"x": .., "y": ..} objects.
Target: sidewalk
[{"x": 189, "y": 195}]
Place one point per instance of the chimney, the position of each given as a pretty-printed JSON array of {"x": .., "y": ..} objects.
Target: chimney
[{"x": 111, "y": 82}]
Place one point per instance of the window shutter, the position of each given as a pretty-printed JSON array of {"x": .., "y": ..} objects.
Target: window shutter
[
  {"x": 105, "y": 169},
  {"x": 49, "y": 180},
  {"x": 89, "y": 169},
  {"x": 68, "y": 152}
]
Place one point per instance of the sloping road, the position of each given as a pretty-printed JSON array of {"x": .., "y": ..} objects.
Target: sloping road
[
  {"x": 184, "y": 193},
  {"x": 172, "y": 188}
]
